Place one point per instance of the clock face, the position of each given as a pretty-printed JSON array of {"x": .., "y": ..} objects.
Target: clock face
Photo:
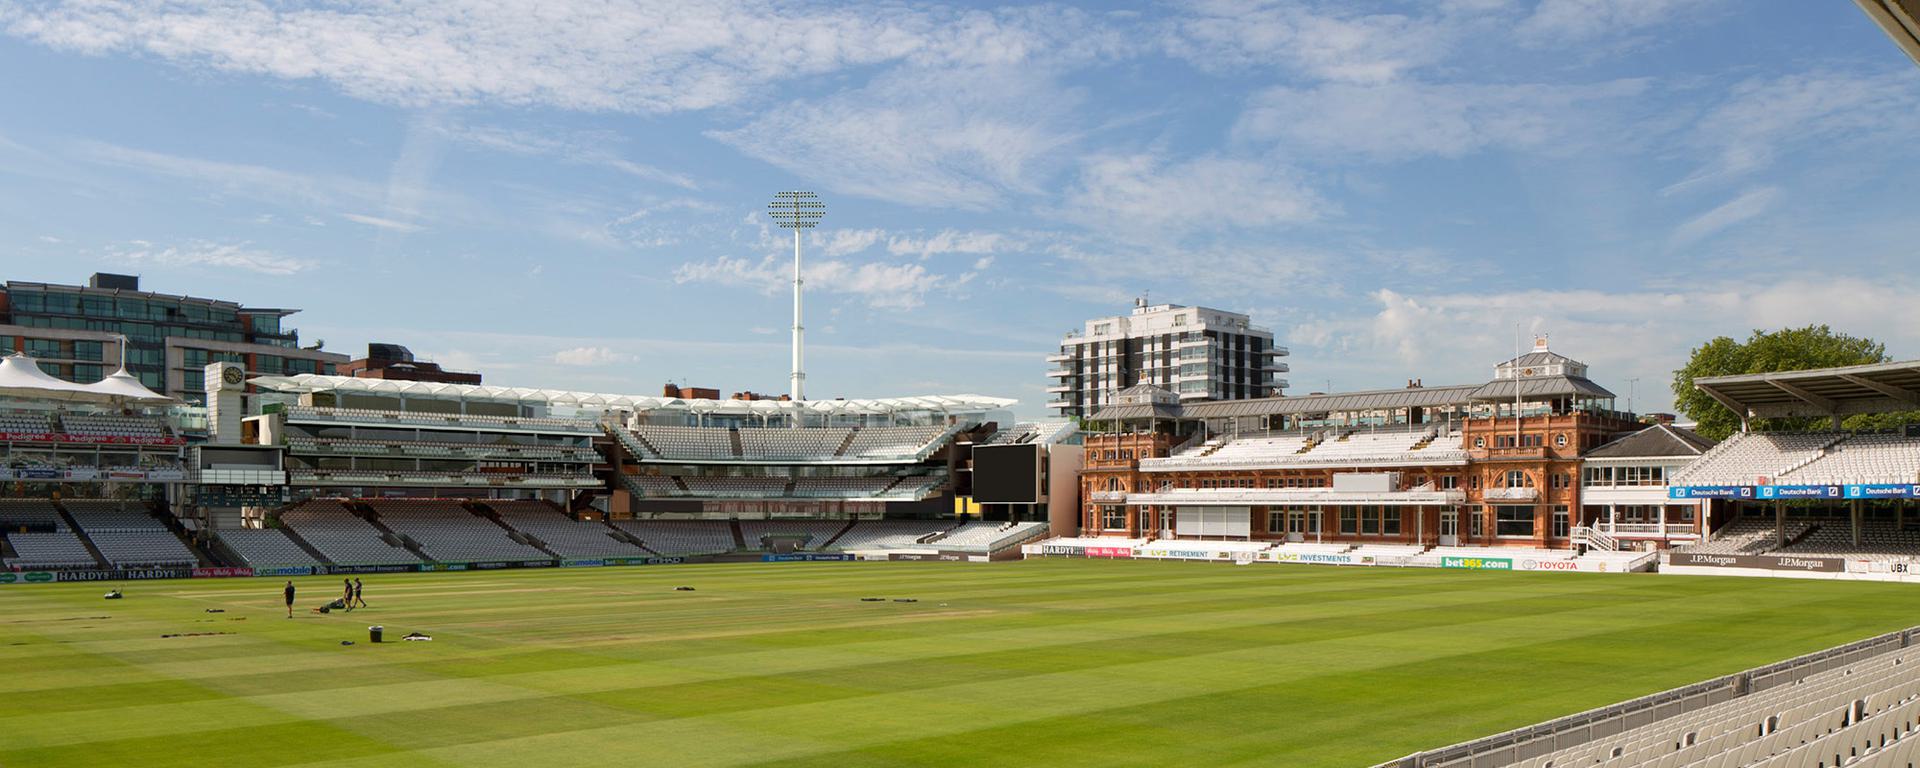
[{"x": 232, "y": 375}]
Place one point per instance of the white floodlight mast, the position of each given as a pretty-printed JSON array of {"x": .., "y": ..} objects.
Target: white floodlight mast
[{"x": 797, "y": 211}]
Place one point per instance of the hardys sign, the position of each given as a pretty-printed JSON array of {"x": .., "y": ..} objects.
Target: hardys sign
[{"x": 1769, "y": 562}]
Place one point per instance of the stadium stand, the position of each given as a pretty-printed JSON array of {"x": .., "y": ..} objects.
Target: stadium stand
[
  {"x": 1747, "y": 536},
  {"x": 791, "y": 444},
  {"x": 301, "y": 413},
  {"x": 26, "y": 423},
  {"x": 652, "y": 486},
  {"x": 681, "y": 537},
  {"x": 101, "y": 516},
  {"x": 1747, "y": 457},
  {"x": 988, "y": 536},
  {"x": 1854, "y": 705},
  {"x": 563, "y": 535},
  {"x": 1879, "y": 540},
  {"x": 902, "y": 443},
  {"x": 817, "y": 532},
  {"x": 342, "y": 536},
  {"x": 1870, "y": 458},
  {"x": 265, "y": 548},
  {"x": 30, "y": 513},
  {"x": 736, "y": 487},
  {"x": 125, "y": 548},
  {"x": 113, "y": 426},
  {"x": 696, "y": 443},
  {"x": 888, "y": 534},
  {"x": 62, "y": 549},
  {"x": 842, "y": 487},
  {"x": 447, "y": 532}
]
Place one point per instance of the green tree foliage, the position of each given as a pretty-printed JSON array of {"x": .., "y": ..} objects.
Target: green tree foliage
[{"x": 1788, "y": 349}]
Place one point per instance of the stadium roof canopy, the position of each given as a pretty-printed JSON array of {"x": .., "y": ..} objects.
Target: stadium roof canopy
[
  {"x": 1875, "y": 388},
  {"x": 1501, "y": 390},
  {"x": 307, "y": 382},
  {"x": 1900, "y": 19},
  {"x": 1342, "y": 402}
]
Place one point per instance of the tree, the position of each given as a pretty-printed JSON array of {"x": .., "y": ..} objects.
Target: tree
[{"x": 1788, "y": 349}]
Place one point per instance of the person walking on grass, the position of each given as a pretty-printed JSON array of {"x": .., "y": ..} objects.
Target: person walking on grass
[
  {"x": 289, "y": 591},
  {"x": 348, "y": 600},
  {"x": 357, "y": 598}
]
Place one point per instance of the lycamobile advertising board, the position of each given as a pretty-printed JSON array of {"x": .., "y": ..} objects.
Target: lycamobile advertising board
[{"x": 1478, "y": 563}]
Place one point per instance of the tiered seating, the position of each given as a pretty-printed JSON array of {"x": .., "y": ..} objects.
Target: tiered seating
[
  {"x": 26, "y": 423},
  {"x": 1747, "y": 456},
  {"x": 1364, "y": 444},
  {"x": 342, "y": 536},
  {"x": 917, "y": 487},
  {"x": 811, "y": 444},
  {"x": 892, "y": 442},
  {"x": 406, "y": 418},
  {"x": 816, "y": 531},
  {"x": 564, "y": 535},
  {"x": 100, "y": 516},
  {"x": 990, "y": 537},
  {"x": 447, "y": 532},
  {"x": 736, "y": 487},
  {"x": 429, "y": 449},
  {"x": 1043, "y": 432},
  {"x": 138, "y": 548},
  {"x": 887, "y": 534},
  {"x": 1856, "y": 713},
  {"x": 700, "y": 443},
  {"x": 652, "y": 486},
  {"x": 112, "y": 426},
  {"x": 1862, "y": 459},
  {"x": 266, "y": 548},
  {"x": 1879, "y": 540},
  {"x": 49, "y": 550},
  {"x": 682, "y": 537},
  {"x": 841, "y": 487},
  {"x": 30, "y": 513},
  {"x": 1746, "y": 536}
]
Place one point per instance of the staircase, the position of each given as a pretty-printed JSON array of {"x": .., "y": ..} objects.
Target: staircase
[
  {"x": 837, "y": 534},
  {"x": 1594, "y": 538},
  {"x": 515, "y": 534},
  {"x": 300, "y": 542},
  {"x": 388, "y": 534},
  {"x": 847, "y": 443},
  {"x": 733, "y": 437}
]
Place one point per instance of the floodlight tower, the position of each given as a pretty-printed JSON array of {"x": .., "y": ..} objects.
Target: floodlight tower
[{"x": 797, "y": 211}]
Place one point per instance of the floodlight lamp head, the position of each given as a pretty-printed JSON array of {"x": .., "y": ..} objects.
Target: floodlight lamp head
[{"x": 796, "y": 210}]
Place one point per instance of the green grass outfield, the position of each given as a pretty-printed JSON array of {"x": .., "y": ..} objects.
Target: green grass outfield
[{"x": 1053, "y": 662}]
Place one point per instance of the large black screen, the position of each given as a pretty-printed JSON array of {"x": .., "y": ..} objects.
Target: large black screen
[{"x": 1006, "y": 474}]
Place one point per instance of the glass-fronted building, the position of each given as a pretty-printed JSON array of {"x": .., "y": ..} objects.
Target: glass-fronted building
[{"x": 75, "y": 331}]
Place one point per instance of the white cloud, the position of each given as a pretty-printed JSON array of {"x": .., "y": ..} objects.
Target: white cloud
[
  {"x": 590, "y": 149},
  {"x": 382, "y": 223},
  {"x": 201, "y": 253},
  {"x": 1562, "y": 23},
  {"x": 1143, "y": 193},
  {"x": 647, "y": 56},
  {"x": 881, "y": 285},
  {"x": 949, "y": 241},
  {"x": 949, "y": 138},
  {"x": 591, "y": 356},
  {"x": 1398, "y": 121},
  {"x": 1747, "y": 205},
  {"x": 1762, "y": 118},
  {"x": 1357, "y": 48}
]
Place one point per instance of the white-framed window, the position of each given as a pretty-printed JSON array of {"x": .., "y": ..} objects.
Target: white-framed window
[
  {"x": 1561, "y": 522},
  {"x": 1510, "y": 521}
]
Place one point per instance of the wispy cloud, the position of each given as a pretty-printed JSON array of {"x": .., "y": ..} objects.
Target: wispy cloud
[
  {"x": 591, "y": 356},
  {"x": 1745, "y": 206},
  {"x": 883, "y": 285},
  {"x": 202, "y": 253},
  {"x": 1146, "y": 194},
  {"x": 382, "y": 223}
]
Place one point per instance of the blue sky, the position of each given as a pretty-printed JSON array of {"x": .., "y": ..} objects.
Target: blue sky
[{"x": 571, "y": 194}]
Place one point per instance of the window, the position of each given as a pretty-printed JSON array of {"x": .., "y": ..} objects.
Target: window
[
  {"x": 1370, "y": 521},
  {"x": 45, "y": 349},
  {"x": 1449, "y": 482},
  {"x": 1276, "y": 522},
  {"x": 1113, "y": 518},
  {"x": 1518, "y": 479},
  {"x": 1513, "y": 521},
  {"x": 1561, "y": 522},
  {"x": 1390, "y": 521},
  {"x": 1474, "y": 528},
  {"x": 1480, "y": 442},
  {"x": 1349, "y": 521},
  {"x": 1561, "y": 480}
]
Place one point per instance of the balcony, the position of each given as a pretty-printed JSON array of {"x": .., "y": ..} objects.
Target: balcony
[
  {"x": 1059, "y": 373},
  {"x": 1059, "y": 357},
  {"x": 1108, "y": 496},
  {"x": 1511, "y": 494},
  {"x": 1062, "y": 404},
  {"x": 1060, "y": 389},
  {"x": 1277, "y": 368}
]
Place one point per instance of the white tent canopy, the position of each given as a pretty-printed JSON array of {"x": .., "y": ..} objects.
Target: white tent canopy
[
  {"x": 20, "y": 376},
  {"x": 307, "y": 382},
  {"x": 124, "y": 387}
]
